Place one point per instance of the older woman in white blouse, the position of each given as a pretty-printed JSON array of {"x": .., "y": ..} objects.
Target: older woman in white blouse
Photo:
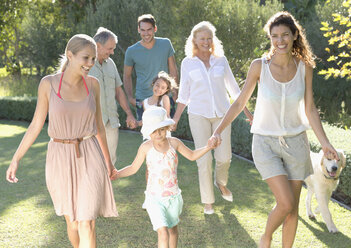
[{"x": 205, "y": 80}]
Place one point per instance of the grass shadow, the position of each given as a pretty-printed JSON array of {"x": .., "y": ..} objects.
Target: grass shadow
[{"x": 327, "y": 238}]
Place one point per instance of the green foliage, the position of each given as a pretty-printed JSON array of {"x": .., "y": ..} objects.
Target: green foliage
[
  {"x": 13, "y": 85},
  {"x": 17, "y": 108},
  {"x": 12, "y": 13},
  {"x": 34, "y": 33},
  {"x": 301, "y": 9},
  {"x": 332, "y": 95},
  {"x": 241, "y": 137},
  {"x": 339, "y": 37},
  {"x": 3, "y": 72},
  {"x": 44, "y": 37}
]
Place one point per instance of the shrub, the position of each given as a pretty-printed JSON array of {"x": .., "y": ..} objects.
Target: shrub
[
  {"x": 17, "y": 108},
  {"x": 332, "y": 95}
]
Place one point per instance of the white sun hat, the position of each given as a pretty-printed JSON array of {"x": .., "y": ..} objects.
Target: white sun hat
[{"x": 153, "y": 119}]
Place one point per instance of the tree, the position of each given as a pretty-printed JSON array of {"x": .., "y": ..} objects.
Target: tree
[
  {"x": 339, "y": 37},
  {"x": 10, "y": 34},
  {"x": 118, "y": 16},
  {"x": 44, "y": 35}
]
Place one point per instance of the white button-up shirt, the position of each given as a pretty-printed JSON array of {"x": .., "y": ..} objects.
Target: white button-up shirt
[{"x": 206, "y": 91}]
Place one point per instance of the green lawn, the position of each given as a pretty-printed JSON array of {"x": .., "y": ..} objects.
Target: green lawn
[{"x": 27, "y": 217}]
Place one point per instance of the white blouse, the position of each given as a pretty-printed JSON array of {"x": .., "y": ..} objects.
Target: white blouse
[
  {"x": 205, "y": 91},
  {"x": 280, "y": 107},
  {"x": 147, "y": 105}
]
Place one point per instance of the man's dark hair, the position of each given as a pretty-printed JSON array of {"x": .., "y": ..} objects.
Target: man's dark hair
[{"x": 147, "y": 18}]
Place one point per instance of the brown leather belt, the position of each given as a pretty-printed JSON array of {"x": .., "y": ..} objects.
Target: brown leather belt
[{"x": 76, "y": 142}]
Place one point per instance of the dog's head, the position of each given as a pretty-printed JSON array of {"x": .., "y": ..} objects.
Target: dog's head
[{"x": 331, "y": 167}]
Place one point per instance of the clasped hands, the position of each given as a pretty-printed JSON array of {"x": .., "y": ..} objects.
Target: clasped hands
[
  {"x": 113, "y": 174},
  {"x": 131, "y": 122},
  {"x": 214, "y": 141}
]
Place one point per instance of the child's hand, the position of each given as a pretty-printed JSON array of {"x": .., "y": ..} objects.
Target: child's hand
[
  {"x": 113, "y": 175},
  {"x": 214, "y": 141}
]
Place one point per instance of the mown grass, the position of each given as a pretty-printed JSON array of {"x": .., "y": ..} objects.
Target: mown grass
[
  {"x": 27, "y": 217},
  {"x": 339, "y": 138}
]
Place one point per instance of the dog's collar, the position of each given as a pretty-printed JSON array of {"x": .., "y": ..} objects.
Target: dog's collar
[{"x": 331, "y": 178}]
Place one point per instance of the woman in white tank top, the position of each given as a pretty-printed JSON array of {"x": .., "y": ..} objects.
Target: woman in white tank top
[{"x": 284, "y": 110}]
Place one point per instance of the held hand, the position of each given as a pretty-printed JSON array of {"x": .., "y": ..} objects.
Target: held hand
[
  {"x": 11, "y": 172},
  {"x": 132, "y": 101},
  {"x": 250, "y": 120},
  {"x": 131, "y": 122},
  {"x": 330, "y": 152},
  {"x": 113, "y": 174},
  {"x": 215, "y": 140},
  {"x": 211, "y": 143},
  {"x": 249, "y": 116},
  {"x": 174, "y": 126}
]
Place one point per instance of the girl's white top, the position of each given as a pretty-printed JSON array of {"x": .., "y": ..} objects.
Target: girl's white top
[
  {"x": 280, "y": 107},
  {"x": 205, "y": 91},
  {"x": 147, "y": 105},
  {"x": 162, "y": 168}
]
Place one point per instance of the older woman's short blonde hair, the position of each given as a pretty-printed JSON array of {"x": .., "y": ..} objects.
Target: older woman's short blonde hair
[{"x": 191, "y": 48}]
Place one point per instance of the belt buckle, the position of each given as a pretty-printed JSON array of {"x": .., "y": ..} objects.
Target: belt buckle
[{"x": 65, "y": 141}]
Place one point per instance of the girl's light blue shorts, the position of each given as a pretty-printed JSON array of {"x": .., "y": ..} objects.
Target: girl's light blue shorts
[{"x": 164, "y": 211}]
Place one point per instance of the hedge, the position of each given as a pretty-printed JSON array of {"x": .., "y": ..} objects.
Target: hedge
[
  {"x": 17, "y": 108},
  {"x": 22, "y": 108}
]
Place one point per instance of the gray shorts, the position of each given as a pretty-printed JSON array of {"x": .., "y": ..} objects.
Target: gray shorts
[{"x": 284, "y": 155}]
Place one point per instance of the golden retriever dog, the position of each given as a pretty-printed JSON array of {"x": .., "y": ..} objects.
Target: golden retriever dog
[{"x": 323, "y": 182}]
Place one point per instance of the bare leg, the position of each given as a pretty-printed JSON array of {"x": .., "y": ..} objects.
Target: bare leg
[
  {"x": 72, "y": 232},
  {"x": 163, "y": 238},
  {"x": 87, "y": 235},
  {"x": 290, "y": 222},
  {"x": 173, "y": 237},
  {"x": 284, "y": 196}
]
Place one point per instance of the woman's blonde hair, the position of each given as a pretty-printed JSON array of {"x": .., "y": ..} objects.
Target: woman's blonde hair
[
  {"x": 171, "y": 84},
  {"x": 301, "y": 48},
  {"x": 77, "y": 43},
  {"x": 216, "y": 47}
]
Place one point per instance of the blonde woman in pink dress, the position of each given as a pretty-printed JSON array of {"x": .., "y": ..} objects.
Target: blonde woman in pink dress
[{"x": 78, "y": 164}]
